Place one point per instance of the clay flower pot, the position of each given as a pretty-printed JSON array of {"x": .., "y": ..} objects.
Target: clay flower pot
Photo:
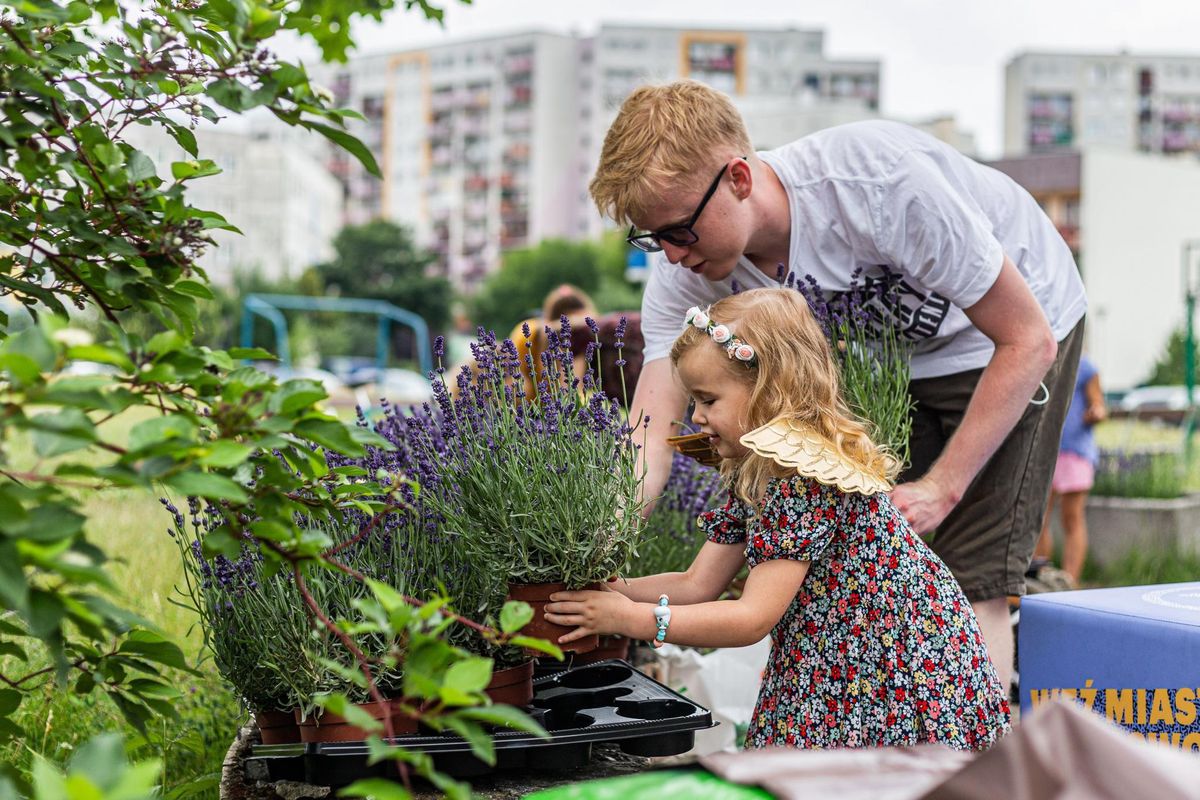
[
  {"x": 512, "y": 686},
  {"x": 325, "y": 726},
  {"x": 609, "y": 647},
  {"x": 277, "y": 727},
  {"x": 538, "y": 595}
]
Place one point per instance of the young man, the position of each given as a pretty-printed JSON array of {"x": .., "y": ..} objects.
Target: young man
[{"x": 983, "y": 285}]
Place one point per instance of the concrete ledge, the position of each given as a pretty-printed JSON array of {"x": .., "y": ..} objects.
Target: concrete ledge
[{"x": 1117, "y": 525}]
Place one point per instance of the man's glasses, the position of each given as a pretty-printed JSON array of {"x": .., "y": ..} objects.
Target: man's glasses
[{"x": 677, "y": 235}]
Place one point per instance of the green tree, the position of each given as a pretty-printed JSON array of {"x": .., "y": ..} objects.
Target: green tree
[
  {"x": 92, "y": 223},
  {"x": 517, "y": 290},
  {"x": 380, "y": 261},
  {"x": 1170, "y": 366}
]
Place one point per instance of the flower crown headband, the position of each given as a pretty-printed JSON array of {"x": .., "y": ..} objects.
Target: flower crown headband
[{"x": 734, "y": 347}]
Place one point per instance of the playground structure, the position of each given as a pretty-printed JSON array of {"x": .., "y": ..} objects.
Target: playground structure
[{"x": 269, "y": 307}]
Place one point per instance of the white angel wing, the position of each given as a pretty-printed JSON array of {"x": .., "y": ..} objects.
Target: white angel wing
[{"x": 791, "y": 443}]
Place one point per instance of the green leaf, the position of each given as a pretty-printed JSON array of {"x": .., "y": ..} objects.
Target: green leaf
[
  {"x": 45, "y": 613},
  {"x": 101, "y": 354},
  {"x": 330, "y": 434},
  {"x": 479, "y": 739},
  {"x": 140, "y": 166},
  {"x": 61, "y": 432},
  {"x": 51, "y": 522},
  {"x": 470, "y": 675},
  {"x": 347, "y": 143},
  {"x": 163, "y": 343},
  {"x": 156, "y": 430},
  {"x": 34, "y": 344},
  {"x": 375, "y": 789},
  {"x": 182, "y": 135},
  {"x": 49, "y": 783},
  {"x": 297, "y": 394},
  {"x": 196, "y": 168},
  {"x": 14, "y": 588},
  {"x": 194, "y": 289},
  {"x": 207, "y": 484},
  {"x": 13, "y": 650},
  {"x": 9, "y": 700},
  {"x": 150, "y": 645},
  {"x": 388, "y": 597},
  {"x": 224, "y": 454},
  {"x": 505, "y": 717},
  {"x": 515, "y": 615},
  {"x": 101, "y": 759},
  {"x": 541, "y": 645},
  {"x": 252, "y": 354},
  {"x": 352, "y": 713},
  {"x": 22, "y": 368}
]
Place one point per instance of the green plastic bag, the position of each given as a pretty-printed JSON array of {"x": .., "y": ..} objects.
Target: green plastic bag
[{"x": 675, "y": 784}]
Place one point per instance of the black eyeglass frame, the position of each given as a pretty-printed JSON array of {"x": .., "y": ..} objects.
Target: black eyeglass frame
[{"x": 651, "y": 241}]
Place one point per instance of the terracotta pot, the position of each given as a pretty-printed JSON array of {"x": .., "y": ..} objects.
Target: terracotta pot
[
  {"x": 325, "y": 726},
  {"x": 512, "y": 686},
  {"x": 537, "y": 595},
  {"x": 609, "y": 647},
  {"x": 277, "y": 727}
]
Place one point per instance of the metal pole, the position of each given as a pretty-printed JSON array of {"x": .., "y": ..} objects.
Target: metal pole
[{"x": 1189, "y": 346}]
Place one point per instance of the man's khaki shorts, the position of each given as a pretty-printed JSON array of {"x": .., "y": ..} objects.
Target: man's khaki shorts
[{"x": 988, "y": 539}]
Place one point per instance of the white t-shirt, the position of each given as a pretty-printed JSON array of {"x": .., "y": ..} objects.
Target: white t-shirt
[{"x": 885, "y": 198}]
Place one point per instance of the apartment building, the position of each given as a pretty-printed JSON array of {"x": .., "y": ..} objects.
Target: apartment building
[
  {"x": 273, "y": 186},
  {"x": 488, "y": 145},
  {"x": 1148, "y": 103},
  {"x": 1126, "y": 216}
]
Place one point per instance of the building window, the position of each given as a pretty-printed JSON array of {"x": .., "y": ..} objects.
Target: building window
[
  {"x": 716, "y": 63},
  {"x": 1051, "y": 121}
]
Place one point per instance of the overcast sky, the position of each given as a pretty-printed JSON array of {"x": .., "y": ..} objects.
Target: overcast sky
[{"x": 937, "y": 56}]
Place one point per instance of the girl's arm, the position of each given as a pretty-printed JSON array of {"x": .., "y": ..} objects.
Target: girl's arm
[
  {"x": 770, "y": 588},
  {"x": 708, "y": 576}
]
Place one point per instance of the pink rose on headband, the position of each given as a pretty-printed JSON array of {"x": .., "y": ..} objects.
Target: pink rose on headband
[
  {"x": 743, "y": 352},
  {"x": 700, "y": 319},
  {"x": 720, "y": 334}
]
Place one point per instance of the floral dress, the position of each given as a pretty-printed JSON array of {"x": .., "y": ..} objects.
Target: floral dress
[{"x": 879, "y": 646}]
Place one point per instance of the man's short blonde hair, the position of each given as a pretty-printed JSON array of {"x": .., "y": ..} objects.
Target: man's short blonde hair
[{"x": 664, "y": 133}]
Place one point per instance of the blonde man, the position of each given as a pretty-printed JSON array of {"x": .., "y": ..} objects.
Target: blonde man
[{"x": 984, "y": 286}]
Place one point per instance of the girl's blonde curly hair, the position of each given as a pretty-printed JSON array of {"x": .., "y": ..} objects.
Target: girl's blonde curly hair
[{"x": 795, "y": 376}]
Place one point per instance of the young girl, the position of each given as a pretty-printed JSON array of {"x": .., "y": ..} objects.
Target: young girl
[{"x": 872, "y": 640}]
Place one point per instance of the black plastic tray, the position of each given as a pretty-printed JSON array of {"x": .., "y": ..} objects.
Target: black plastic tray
[{"x": 608, "y": 701}]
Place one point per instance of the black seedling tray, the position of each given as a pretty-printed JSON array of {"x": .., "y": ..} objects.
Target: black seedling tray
[{"x": 608, "y": 701}]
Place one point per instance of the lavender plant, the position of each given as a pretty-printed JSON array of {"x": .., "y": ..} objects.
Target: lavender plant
[
  {"x": 873, "y": 355},
  {"x": 253, "y": 621},
  {"x": 515, "y": 491},
  {"x": 672, "y": 538}
]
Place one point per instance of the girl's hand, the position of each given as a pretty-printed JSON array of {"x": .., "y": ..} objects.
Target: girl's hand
[{"x": 603, "y": 612}]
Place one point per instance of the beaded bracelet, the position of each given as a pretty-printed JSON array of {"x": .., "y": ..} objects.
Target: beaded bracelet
[{"x": 662, "y": 619}]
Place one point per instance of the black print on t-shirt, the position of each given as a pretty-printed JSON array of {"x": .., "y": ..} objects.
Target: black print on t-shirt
[{"x": 893, "y": 301}]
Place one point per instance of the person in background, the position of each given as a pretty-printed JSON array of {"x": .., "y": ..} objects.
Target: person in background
[
  {"x": 1074, "y": 474},
  {"x": 564, "y": 300}
]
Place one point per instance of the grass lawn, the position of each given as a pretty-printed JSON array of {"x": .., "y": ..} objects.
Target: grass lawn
[{"x": 131, "y": 527}]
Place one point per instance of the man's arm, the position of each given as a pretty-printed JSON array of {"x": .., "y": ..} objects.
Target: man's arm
[
  {"x": 1010, "y": 316},
  {"x": 659, "y": 396}
]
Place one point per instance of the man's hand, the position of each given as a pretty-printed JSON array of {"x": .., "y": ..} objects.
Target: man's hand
[{"x": 924, "y": 503}]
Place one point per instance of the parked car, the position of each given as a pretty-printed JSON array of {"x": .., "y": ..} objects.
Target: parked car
[{"x": 1156, "y": 398}]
